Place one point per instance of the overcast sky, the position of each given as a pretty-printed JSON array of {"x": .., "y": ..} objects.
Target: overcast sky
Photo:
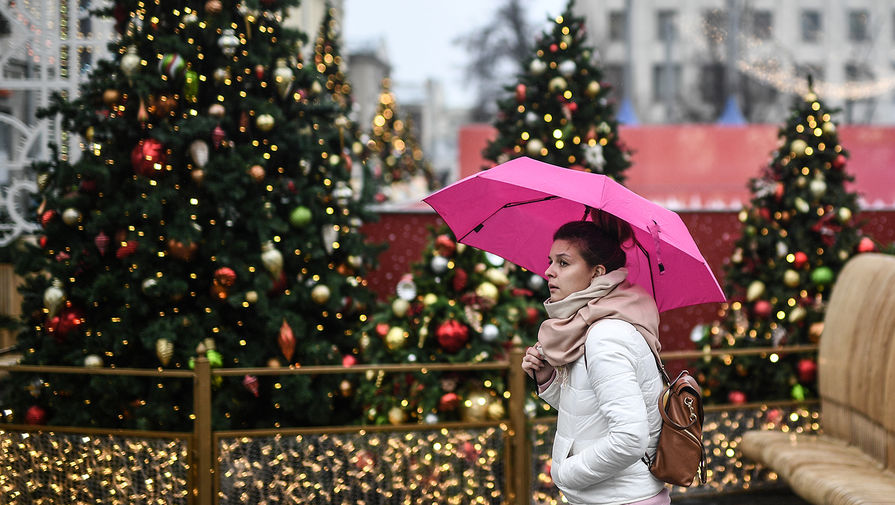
[{"x": 419, "y": 36}]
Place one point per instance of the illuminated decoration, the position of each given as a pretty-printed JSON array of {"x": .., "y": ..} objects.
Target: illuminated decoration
[
  {"x": 436, "y": 466},
  {"x": 82, "y": 469}
]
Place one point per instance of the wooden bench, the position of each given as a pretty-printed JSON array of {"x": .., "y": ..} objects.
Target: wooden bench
[{"x": 853, "y": 460}]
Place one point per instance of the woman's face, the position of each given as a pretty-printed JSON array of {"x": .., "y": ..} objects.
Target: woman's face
[{"x": 568, "y": 272}]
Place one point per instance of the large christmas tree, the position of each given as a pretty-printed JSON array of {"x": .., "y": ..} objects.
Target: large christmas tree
[
  {"x": 209, "y": 205},
  {"x": 558, "y": 112},
  {"x": 798, "y": 231},
  {"x": 457, "y": 306}
]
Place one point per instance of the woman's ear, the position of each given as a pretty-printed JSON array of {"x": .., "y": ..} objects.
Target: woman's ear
[{"x": 599, "y": 270}]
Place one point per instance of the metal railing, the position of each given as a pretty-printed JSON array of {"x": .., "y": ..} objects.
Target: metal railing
[{"x": 202, "y": 440}]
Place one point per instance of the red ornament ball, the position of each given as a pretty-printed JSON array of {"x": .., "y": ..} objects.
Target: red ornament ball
[
  {"x": 62, "y": 324},
  {"x": 348, "y": 361},
  {"x": 225, "y": 276},
  {"x": 554, "y": 48},
  {"x": 866, "y": 245},
  {"x": 46, "y": 217},
  {"x": 520, "y": 92},
  {"x": 382, "y": 329},
  {"x": 452, "y": 335},
  {"x": 807, "y": 370},
  {"x": 736, "y": 397},
  {"x": 448, "y": 402},
  {"x": 762, "y": 308},
  {"x": 148, "y": 158},
  {"x": 35, "y": 415},
  {"x": 800, "y": 259},
  {"x": 460, "y": 279},
  {"x": 445, "y": 245},
  {"x": 839, "y": 162}
]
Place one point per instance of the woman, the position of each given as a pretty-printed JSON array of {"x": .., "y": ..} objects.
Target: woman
[{"x": 593, "y": 364}]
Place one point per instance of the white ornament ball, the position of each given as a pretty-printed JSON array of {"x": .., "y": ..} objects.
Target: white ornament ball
[
  {"x": 697, "y": 332},
  {"x": 431, "y": 418},
  {"x": 406, "y": 289},
  {"x": 817, "y": 187},
  {"x": 535, "y": 282},
  {"x": 490, "y": 333},
  {"x": 537, "y": 67},
  {"x": 93, "y": 361},
  {"x": 71, "y": 216},
  {"x": 567, "y": 68},
  {"x": 494, "y": 259},
  {"x": 439, "y": 264}
]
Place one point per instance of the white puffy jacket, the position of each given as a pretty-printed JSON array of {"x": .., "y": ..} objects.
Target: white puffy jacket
[{"x": 608, "y": 418}]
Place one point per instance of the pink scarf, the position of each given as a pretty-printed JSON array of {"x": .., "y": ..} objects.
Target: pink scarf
[{"x": 609, "y": 296}]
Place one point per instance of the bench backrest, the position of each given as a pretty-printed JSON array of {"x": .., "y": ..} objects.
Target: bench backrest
[{"x": 856, "y": 360}]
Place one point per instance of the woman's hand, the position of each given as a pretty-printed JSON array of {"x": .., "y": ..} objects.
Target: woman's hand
[{"x": 535, "y": 366}]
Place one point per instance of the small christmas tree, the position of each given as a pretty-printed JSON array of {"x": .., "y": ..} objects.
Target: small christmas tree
[
  {"x": 458, "y": 306},
  {"x": 401, "y": 168},
  {"x": 209, "y": 205},
  {"x": 351, "y": 142},
  {"x": 798, "y": 231},
  {"x": 559, "y": 112}
]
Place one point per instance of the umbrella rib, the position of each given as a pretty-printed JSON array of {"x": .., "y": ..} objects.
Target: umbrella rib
[{"x": 479, "y": 226}]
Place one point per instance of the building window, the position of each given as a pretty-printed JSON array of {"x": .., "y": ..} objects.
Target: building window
[
  {"x": 810, "y": 25},
  {"x": 762, "y": 24},
  {"x": 617, "y": 20},
  {"x": 858, "y": 20},
  {"x": 614, "y": 74},
  {"x": 711, "y": 83},
  {"x": 666, "y": 81},
  {"x": 665, "y": 24}
]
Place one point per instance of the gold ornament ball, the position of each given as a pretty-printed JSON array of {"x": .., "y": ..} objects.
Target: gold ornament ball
[
  {"x": 396, "y": 415},
  {"x": 346, "y": 388},
  {"x": 791, "y": 278},
  {"x": 488, "y": 291},
  {"x": 320, "y": 294},
  {"x": 198, "y": 176},
  {"x": 93, "y": 361},
  {"x": 755, "y": 291},
  {"x": 71, "y": 216},
  {"x": 557, "y": 84},
  {"x": 798, "y": 147},
  {"x": 252, "y": 296},
  {"x": 810, "y": 97},
  {"x": 593, "y": 89},
  {"x": 274, "y": 363},
  {"x": 475, "y": 407},
  {"x": 844, "y": 214},
  {"x": 534, "y": 147},
  {"x": 496, "y": 411},
  {"x": 111, "y": 97},
  {"x": 257, "y": 173},
  {"x": 497, "y": 277},
  {"x": 797, "y": 314},
  {"x": 829, "y": 128},
  {"x": 430, "y": 299},
  {"x": 265, "y": 122},
  {"x": 400, "y": 307},
  {"x": 395, "y": 338}
]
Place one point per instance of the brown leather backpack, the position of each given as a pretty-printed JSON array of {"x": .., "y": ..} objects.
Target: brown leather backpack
[{"x": 680, "y": 455}]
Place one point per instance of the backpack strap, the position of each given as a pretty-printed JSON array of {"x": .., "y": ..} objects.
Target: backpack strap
[{"x": 660, "y": 365}]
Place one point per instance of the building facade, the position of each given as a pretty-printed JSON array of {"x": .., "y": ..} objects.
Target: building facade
[{"x": 678, "y": 62}]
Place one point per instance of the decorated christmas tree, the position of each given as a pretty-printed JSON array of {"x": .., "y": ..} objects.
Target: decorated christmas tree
[
  {"x": 558, "y": 112},
  {"x": 209, "y": 205},
  {"x": 401, "y": 170},
  {"x": 351, "y": 142},
  {"x": 457, "y": 306},
  {"x": 798, "y": 231}
]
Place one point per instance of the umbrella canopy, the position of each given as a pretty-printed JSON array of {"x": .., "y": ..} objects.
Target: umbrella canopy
[{"x": 513, "y": 209}]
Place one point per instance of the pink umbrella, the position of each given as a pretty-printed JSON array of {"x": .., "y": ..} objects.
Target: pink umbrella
[{"x": 513, "y": 209}]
